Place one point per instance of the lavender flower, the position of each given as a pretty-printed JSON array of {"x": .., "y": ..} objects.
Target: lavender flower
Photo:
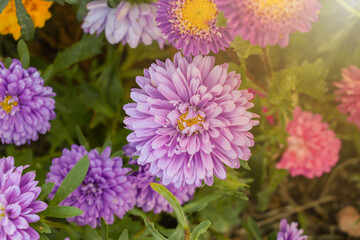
[
  {"x": 189, "y": 119},
  {"x": 26, "y": 106},
  {"x": 289, "y": 231},
  {"x": 127, "y": 23},
  {"x": 148, "y": 199},
  {"x": 191, "y": 25},
  {"x": 105, "y": 191},
  {"x": 18, "y": 205}
]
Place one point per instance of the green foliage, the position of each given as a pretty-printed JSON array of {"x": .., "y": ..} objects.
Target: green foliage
[
  {"x": 25, "y": 21},
  {"x": 150, "y": 226},
  {"x": 72, "y": 180},
  {"x": 200, "y": 229},
  {"x": 124, "y": 235},
  {"x": 62, "y": 211},
  {"x": 3, "y": 4},
  {"x": 23, "y": 53}
]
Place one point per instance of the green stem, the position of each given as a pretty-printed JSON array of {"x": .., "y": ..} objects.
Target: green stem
[
  {"x": 187, "y": 234},
  {"x": 267, "y": 61},
  {"x": 348, "y": 7}
]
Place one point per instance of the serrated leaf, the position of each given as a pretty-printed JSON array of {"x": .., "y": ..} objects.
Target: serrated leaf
[
  {"x": 23, "y": 52},
  {"x": 25, "y": 21},
  {"x": 46, "y": 188},
  {"x": 310, "y": 78},
  {"x": 150, "y": 226},
  {"x": 254, "y": 229},
  {"x": 124, "y": 235},
  {"x": 200, "y": 229},
  {"x": 40, "y": 227},
  {"x": 87, "y": 47},
  {"x": 3, "y": 4},
  {"x": 72, "y": 180},
  {"x": 244, "y": 49},
  {"x": 173, "y": 202},
  {"x": 62, "y": 212}
]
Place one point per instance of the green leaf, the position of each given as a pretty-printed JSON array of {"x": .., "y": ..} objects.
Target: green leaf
[
  {"x": 72, "y": 180},
  {"x": 272, "y": 235},
  {"x": 24, "y": 20},
  {"x": 3, "y": 4},
  {"x": 178, "y": 233},
  {"x": 7, "y": 62},
  {"x": 62, "y": 212},
  {"x": 23, "y": 52},
  {"x": 244, "y": 49},
  {"x": 73, "y": 2},
  {"x": 46, "y": 188},
  {"x": 311, "y": 78},
  {"x": 87, "y": 47},
  {"x": 245, "y": 164},
  {"x": 173, "y": 202},
  {"x": 48, "y": 73},
  {"x": 124, "y": 235},
  {"x": 137, "y": 212},
  {"x": 199, "y": 204},
  {"x": 104, "y": 229},
  {"x": 43, "y": 237},
  {"x": 90, "y": 234},
  {"x": 254, "y": 229},
  {"x": 81, "y": 138},
  {"x": 40, "y": 227},
  {"x": 150, "y": 226},
  {"x": 95, "y": 99},
  {"x": 200, "y": 229}
]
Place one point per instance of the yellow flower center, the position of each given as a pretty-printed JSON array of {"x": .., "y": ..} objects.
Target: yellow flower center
[
  {"x": 8, "y": 104},
  {"x": 198, "y": 13},
  {"x": 2, "y": 211},
  {"x": 271, "y": 2},
  {"x": 183, "y": 122}
]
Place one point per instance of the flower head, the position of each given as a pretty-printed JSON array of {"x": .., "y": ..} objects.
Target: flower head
[
  {"x": 191, "y": 25},
  {"x": 148, "y": 199},
  {"x": 37, "y": 9},
  {"x": 290, "y": 231},
  {"x": 105, "y": 191},
  {"x": 127, "y": 23},
  {"x": 270, "y": 22},
  {"x": 189, "y": 119},
  {"x": 347, "y": 94},
  {"x": 312, "y": 147},
  {"x": 26, "y": 106},
  {"x": 18, "y": 205}
]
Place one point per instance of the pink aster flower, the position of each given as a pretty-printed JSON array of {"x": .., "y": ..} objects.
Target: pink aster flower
[
  {"x": 313, "y": 148},
  {"x": 189, "y": 120},
  {"x": 348, "y": 94},
  {"x": 270, "y": 22},
  {"x": 191, "y": 25}
]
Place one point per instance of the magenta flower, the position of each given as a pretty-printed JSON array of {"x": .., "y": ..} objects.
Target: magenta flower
[
  {"x": 189, "y": 119},
  {"x": 18, "y": 205},
  {"x": 127, "y": 23},
  {"x": 289, "y": 231},
  {"x": 313, "y": 148},
  {"x": 191, "y": 25},
  {"x": 348, "y": 94},
  {"x": 26, "y": 106},
  {"x": 270, "y": 22},
  {"x": 105, "y": 191}
]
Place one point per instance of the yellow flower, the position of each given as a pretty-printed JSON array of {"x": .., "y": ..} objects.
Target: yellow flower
[{"x": 37, "y": 9}]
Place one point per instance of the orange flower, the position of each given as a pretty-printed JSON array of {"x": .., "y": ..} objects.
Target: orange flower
[{"x": 37, "y": 9}]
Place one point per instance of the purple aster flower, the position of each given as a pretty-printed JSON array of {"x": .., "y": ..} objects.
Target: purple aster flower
[
  {"x": 270, "y": 22},
  {"x": 127, "y": 23},
  {"x": 191, "y": 25},
  {"x": 105, "y": 191},
  {"x": 189, "y": 119},
  {"x": 289, "y": 231},
  {"x": 148, "y": 199},
  {"x": 18, "y": 205},
  {"x": 26, "y": 106}
]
